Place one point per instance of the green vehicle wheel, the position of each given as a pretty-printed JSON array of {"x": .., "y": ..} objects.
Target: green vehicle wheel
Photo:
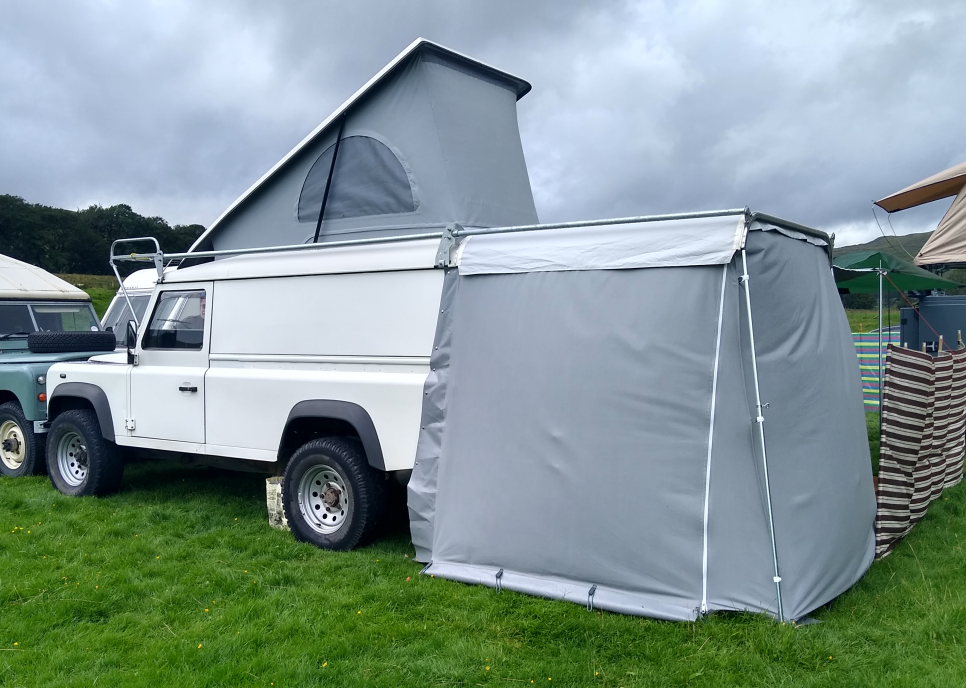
[{"x": 21, "y": 451}]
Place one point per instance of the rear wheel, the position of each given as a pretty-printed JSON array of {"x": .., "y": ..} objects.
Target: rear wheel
[
  {"x": 80, "y": 461},
  {"x": 21, "y": 451},
  {"x": 332, "y": 497}
]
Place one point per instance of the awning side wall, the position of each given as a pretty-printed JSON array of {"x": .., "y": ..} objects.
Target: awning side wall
[
  {"x": 576, "y": 431},
  {"x": 423, "y": 481},
  {"x": 739, "y": 545},
  {"x": 816, "y": 440},
  {"x": 947, "y": 244}
]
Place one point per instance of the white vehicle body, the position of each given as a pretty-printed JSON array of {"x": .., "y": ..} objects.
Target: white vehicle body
[{"x": 341, "y": 328}]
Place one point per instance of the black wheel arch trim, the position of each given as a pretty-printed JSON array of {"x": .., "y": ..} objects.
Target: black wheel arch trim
[
  {"x": 95, "y": 395},
  {"x": 351, "y": 413}
]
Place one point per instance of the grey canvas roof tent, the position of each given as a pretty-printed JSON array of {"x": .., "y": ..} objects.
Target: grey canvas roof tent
[
  {"x": 661, "y": 419},
  {"x": 432, "y": 139}
]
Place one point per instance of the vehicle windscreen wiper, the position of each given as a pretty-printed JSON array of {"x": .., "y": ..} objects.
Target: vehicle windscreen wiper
[{"x": 12, "y": 334}]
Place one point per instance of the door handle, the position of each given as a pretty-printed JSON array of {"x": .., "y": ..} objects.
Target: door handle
[{"x": 187, "y": 389}]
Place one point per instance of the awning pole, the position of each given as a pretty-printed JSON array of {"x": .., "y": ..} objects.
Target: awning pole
[
  {"x": 760, "y": 420},
  {"x": 880, "y": 338},
  {"x": 707, "y": 477}
]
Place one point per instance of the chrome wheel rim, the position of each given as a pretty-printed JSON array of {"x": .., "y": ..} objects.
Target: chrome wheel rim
[
  {"x": 324, "y": 499},
  {"x": 12, "y": 448},
  {"x": 72, "y": 459}
]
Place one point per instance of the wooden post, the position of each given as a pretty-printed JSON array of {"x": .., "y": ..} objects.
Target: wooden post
[{"x": 940, "y": 350}]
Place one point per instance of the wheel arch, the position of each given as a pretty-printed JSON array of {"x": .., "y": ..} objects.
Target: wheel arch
[
  {"x": 6, "y": 395},
  {"x": 315, "y": 418},
  {"x": 70, "y": 395}
]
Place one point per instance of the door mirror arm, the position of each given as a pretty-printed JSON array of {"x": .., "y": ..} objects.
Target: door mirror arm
[{"x": 131, "y": 342}]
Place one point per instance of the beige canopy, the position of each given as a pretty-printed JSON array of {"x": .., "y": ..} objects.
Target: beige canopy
[
  {"x": 948, "y": 242},
  {"x": 19, "y": 280}
]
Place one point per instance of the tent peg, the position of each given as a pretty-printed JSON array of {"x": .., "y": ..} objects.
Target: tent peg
[
  {"x": 590, "y": 597},
  {"x": 499, "y": 580}
]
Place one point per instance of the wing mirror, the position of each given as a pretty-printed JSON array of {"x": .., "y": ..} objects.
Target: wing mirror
[{"x": 131, "y": 342}]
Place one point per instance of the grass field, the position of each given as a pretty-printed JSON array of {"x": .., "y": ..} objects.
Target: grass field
[
  {"x": 867, "y": 321},
  {"x": 178, "y": 580}
]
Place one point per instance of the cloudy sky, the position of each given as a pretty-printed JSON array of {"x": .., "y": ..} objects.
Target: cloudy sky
[{"x": 806, "y": 110}]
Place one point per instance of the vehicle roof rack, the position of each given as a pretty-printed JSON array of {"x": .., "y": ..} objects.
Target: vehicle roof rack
[{"x": 447, "y": 237}]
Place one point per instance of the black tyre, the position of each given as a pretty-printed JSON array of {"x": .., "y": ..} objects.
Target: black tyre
[
  {"x": 332, "y": 497},
  {"x": 67, "y": 342},
  {"x": 80, "y": 461},
  {"x": 21, "y": 451}
]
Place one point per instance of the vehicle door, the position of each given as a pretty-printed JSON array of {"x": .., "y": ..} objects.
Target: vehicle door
[{"x": 168, "y": 383}]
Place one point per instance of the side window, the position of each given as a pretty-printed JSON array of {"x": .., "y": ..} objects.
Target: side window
[
  {"x": 178, "y": 321},
  {"x": 368, "y": 179}
]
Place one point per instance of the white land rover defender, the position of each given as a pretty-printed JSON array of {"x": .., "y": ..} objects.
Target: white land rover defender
[
  {"x": 308, "y": 361},
  {"x": 312, "y": 361}
]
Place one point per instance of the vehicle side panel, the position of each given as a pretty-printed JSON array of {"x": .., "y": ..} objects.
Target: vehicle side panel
[
  {"x": 368, "y": 314},
  {"x": 248, "y": 403},
  {"x": 110, "y": 377},
  {"x": 360, "y": 338}
]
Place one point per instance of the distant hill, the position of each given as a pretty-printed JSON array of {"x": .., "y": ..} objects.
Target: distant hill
[
  {"x": 902, "y": 246},
  {"x": 79, "y": 241}
]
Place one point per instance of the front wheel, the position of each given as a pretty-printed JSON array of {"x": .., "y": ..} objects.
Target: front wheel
[
  {"x": 332, "y": 497},
  {"x": 80, "y": 461},
  {"x": 21, "y": 451}
]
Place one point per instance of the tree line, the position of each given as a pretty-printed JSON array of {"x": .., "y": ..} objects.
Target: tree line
[{"x": 79, "y": 241}]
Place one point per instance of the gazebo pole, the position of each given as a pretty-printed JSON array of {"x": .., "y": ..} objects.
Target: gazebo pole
[{"x": 880, "y": 338}]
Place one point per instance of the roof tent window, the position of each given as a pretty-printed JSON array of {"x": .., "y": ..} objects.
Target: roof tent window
[{"x": 368, "y": 180}]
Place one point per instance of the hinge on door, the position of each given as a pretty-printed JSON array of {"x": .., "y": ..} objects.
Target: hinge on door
[{"x": 129, "y": 424}]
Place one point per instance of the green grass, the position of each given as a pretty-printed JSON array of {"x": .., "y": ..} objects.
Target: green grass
[
  {"x": 867, "y": 320},
  {"x": 101, "y": 299},
  {"x": 178, "y": 580},
  {"x": 91, "y": 281}
]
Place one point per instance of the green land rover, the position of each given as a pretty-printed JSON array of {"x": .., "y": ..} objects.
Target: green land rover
[{"x": 43, "y": 320}]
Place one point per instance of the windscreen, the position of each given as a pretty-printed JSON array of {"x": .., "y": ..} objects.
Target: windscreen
[
  {"x": 65, "y": 317},
  {"x": 119, "y": 314},
  {"x": 15, "y": 319}
]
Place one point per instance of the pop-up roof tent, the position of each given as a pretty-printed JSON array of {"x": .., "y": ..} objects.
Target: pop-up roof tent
[
  {"x": 593, "y": 430},
  {"x": 431, "y": 140}
]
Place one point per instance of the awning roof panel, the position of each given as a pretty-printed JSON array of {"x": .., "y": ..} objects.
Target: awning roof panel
[{"x": 943, "y": 185}]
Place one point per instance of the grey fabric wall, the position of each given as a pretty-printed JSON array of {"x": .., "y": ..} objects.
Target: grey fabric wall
[
  {"x": 454, "y": 131},
  {"x": 422, "y": 484},
  {"x": 576, "y": 429},
  {"x": 817, "y": 444},
  {"x": 573, "y": 445}
]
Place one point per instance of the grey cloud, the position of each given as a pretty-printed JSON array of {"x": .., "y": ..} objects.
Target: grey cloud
[{"x": 808, "y": 110}]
